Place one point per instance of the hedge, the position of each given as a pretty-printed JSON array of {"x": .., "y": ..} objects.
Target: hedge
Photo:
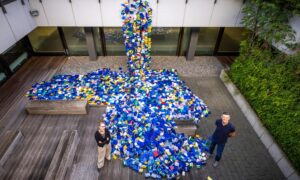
[{"x": 271, "y": 84}]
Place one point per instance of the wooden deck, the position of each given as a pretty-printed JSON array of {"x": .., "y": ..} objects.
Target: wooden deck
[{"x": 31, "y": 158}]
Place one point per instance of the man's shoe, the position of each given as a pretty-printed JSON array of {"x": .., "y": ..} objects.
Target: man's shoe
[{"x": 215, "y": 164}]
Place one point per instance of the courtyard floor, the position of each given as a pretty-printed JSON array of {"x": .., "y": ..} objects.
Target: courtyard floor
[{"x": 245, "y": 157}]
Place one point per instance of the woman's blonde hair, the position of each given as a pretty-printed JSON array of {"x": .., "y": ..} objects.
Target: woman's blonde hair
[{"x": 101, "y": 122}]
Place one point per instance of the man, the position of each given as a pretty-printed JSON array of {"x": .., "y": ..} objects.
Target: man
[
  {"x": 223, "y": 130},
  {"x": 102, "y": 137}
]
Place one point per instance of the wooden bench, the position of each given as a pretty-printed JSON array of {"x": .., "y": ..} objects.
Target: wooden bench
[
  {"x": 9, "y": 141},
  {"x": 57, "y": 107},
  {"x": 188, "y": 127},
  {"x": 64, "y": 155}
]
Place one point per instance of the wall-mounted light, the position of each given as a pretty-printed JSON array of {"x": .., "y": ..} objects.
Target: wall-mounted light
[{"x": 34, "y": 13}]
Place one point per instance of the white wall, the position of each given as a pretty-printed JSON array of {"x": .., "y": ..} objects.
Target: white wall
[
  {"x": 41, "y": 19},
  {"x": 17, "y": 19},
  {"x": 7, "y": 38},
  {"x": 170, "y": 13},
  {"x": 198, "y": 13},
  {"x": 111, "y": 12},
  {"x": 225, "y": 13},
  {"x": 166, "y": 13},
  {"x": 15, "y": 24},
  {"x": 59, "y": 12},
  {"x": 85, "y": 10}
]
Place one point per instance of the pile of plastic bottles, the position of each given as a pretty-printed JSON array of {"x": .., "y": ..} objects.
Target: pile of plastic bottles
[
  {"x": 140, "y": 115},
  {"x": 137, "y": 20}
]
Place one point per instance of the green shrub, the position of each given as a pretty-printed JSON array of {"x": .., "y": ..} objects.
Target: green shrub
[{"x": 271, "y": 84}]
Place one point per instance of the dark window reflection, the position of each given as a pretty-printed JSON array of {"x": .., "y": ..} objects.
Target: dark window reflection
[{"x": 164, "y": 41}]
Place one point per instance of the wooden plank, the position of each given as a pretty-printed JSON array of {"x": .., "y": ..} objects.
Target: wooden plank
[
  {"x": 13, "y": 101},
  {"x": 57, "y": 107},
  {"x": 67, "y": 159},
  {"x": 64, "y": 155},
  {"x": 57, "y": 158},
  {"x": 8, "y": 144}
]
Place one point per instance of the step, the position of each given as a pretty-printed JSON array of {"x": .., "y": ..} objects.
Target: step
[
  {"x": 64, "y": 155},
  {"x": 9, "y": 141}
]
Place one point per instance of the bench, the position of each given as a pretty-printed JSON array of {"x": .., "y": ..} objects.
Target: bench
[
  {"x": 9, "y": 141},
  {"x": 57, "y": 107},
  {"x": 63, "y": 156},
  {"x": 188, "y": 127}
]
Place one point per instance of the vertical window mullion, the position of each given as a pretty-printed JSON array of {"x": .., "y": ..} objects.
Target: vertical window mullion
[
  {"x": 63, "y": 40},
  {"x": 103, "y": 43},
  {"x": 218, "y": 42}
]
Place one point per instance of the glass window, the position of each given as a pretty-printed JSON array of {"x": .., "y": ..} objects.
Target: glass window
[
  {"x": 231, "y": 39},
  {"x": 46, "y": 40},
  {"x": 206, "y": 41},
  {"x": 76, "y": 41},
  {"x": 14, "y": 56},
  {"x": 114, "y": 41},
  {"x": 164, "y": 41}
]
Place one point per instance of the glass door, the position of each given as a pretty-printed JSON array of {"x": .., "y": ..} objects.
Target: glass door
[
  {"x": 114, "y": 41},
  {"x": 76, "y": 41},
  {"x": 231, "y": 39},
  {"x": 164, "y": 41},
  {"x": 206, "y": 41}
]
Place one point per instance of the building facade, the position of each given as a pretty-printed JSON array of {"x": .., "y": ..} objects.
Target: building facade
[{"x": 93, "y": 28}]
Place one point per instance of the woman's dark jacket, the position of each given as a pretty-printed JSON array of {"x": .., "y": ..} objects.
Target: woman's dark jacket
[{"x": 104, "y": 139}]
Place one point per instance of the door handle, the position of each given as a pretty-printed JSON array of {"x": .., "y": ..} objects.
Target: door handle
[
  {"x": 157, "y": 1},
  {"x": 41, "y": 1},
  {"x": 99, "y": 1},
  {"x": 23, "y": 3},
  {"x": 186, "y": 1},
  {"x": 70, "y": 1},
  {"x": 215, "y": 1}
]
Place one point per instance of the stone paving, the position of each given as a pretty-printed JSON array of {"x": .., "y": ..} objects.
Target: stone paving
[
  {"x": 201, "y": 66},
  {"x": 244, "y": 157}
]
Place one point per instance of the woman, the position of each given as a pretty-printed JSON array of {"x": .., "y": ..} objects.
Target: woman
[{"x": 102, "y": 137}]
